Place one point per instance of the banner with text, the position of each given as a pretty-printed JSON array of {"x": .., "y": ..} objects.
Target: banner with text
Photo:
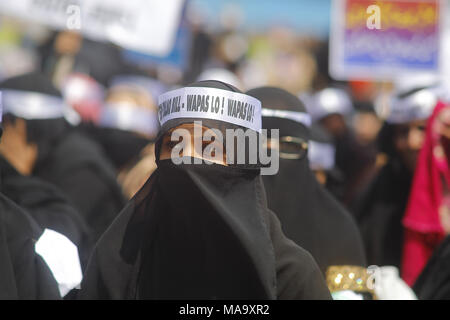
[
  {"x": 148, "y": 26},
  {"x": 384, "y": 38}
]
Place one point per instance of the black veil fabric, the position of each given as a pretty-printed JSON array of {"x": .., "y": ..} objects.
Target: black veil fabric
[
  {"x": 309, "y": 215},
  {"x": 71, "y": 161},
  {"x": 434, "y": 281},
  {"x": 200, "y": 232},
  {"x": 23, "y": 273},
  {"x": 215, "y": 234},
  {"x": 78, "y": 167},
  {"x": 380, "y": 207},
  {"x": 119, "y": 146},
  {"x": 47, "y": 206}
]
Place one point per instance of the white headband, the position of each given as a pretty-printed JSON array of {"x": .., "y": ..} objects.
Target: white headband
[
  {"x": 210, "y": 103},
  {"x": 321, "y": 155},
  {"x": 417, "y": 106},
  {"x": 328, "y": 101},
  {"x": 32, "y": 105},
  {"x": 126, "y": 117},
  {"x": 300, "y": 117}
]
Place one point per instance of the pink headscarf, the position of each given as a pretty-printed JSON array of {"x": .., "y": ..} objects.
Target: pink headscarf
[{"x": 422, "y": 223}]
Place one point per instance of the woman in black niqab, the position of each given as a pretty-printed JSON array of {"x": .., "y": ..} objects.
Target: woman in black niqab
[
  {"x": 23, "y": 273},
  {"x": 197, "y": 231},
  {"x": 68, "y": 159},
  {"x": 309, "y": 215}
]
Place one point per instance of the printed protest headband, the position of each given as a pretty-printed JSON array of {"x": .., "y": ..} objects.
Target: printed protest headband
[
  {"x": 300, "y": 117},
  {"x": 32, "y": 105},
  {"x": 210, "y": 103}
]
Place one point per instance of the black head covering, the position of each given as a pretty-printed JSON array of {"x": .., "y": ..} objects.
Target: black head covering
[
  {"x": 308, "y": 213},
  {"x": 434, "y": 281},
  {"x": 199, "y": 231},
  {"x": 47, "y": 205},
  {"x": 23, "y": 273},
  {"x": 380, "y": 207},
  {"x": 33, "y": 82},
  {"x": 71, "y": 161},
  {"x": 120, "y": 146},
  {"x": 43, "y": 132}
]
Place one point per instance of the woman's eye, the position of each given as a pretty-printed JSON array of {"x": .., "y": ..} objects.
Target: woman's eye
[{"x": 172, "y": 144}]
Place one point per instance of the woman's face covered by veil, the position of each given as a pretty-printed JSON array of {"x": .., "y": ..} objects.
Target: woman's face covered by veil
[
  {"x": 202, "y": 221},
  {"x": 195, "y": 145}
]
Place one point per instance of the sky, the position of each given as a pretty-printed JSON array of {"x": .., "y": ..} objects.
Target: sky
[{"x": 309, "y": 16}]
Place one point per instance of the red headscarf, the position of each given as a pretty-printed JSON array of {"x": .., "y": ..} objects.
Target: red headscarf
[{"x": 421, "y": 221}]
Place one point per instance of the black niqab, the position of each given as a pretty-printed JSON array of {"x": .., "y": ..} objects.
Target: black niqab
[
  {"x": 71, "y": 161},
  {"x": 379, "y": 209},
  {"x": 119, "y": 146},
  {"x": 309, "y": 215},
  {"x": 47, "y": 206},
  {"x": 200, "y": 232},
  {"x": 23, "y": 273}
]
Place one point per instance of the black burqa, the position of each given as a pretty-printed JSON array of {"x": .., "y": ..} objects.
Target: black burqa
[
  {"x": 309, "y": 215},
  {"x": 47, "y": 206},
  {"x": 200, "y": 232},
  {"x": 23, "y": 273},
  {"x": 380, "y": 208},
  {"x": 355, "y": 161},
  {"x": 434, "y": 281},
  {"x": 71, "y": 161}
]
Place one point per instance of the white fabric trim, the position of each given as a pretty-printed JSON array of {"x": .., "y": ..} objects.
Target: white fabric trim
[
  {"x": 328, "y": 101},
  {"x": 346, "y": 295},
  {"x": 389, "y": 285},
  {"x": 321, "y": 155},
  {"x": 32, "y": 105},
  {"x": 61, "y": 256},
  {"x": 300, "y": 117},
  {"x": 210, "y": 103},
  {"x": 417, "y": 106}
]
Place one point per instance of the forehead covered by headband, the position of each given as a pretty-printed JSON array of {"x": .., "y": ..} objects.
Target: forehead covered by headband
[
  {"x": 32, "y": 96},
  {"x": 328, "y": 101},
  {"x": 283, "y": 110},
  {"x": 32, "y": 105},
  {"x": 406, "y": 108},
  {"x": 300, "y": 117},
  {"x": 191, "y": 103}
]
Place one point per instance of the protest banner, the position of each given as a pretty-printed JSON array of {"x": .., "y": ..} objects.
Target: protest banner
[{"x": 378, "y": 40}]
